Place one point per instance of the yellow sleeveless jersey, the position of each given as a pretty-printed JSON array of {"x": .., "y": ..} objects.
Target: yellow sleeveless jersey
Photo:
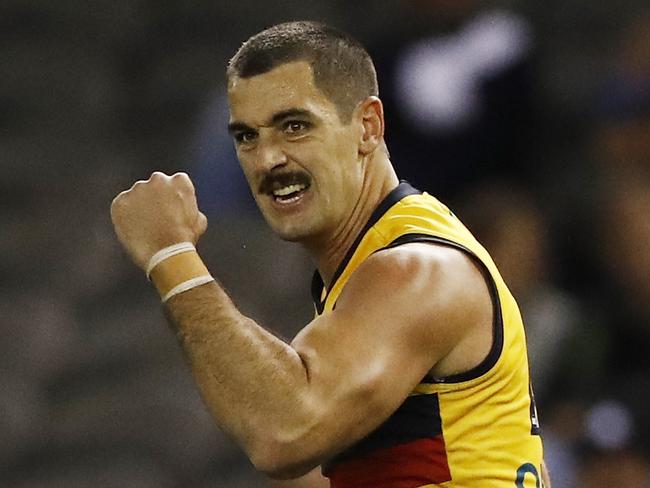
[{"x": 476, "y": 429}]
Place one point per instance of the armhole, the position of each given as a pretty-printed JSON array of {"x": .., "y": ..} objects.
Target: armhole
[{"x": 497, "y": 319}]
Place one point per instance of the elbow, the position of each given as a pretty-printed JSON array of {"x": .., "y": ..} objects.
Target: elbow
[
  {"x": 282, "y": 461},
  {"x": 293, "y": 452},
  {"x": 292, "y": 447}
]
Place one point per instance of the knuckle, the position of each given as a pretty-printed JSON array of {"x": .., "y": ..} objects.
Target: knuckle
[
  {"x": 182, "y": 178},
  {"x": 119, "y": 199},
  {"x": 117, "y": 204},
  {"x": 136, "y": 185},
  {"x": 157, "y": 178},
  {"x": 182, "y": 183}
]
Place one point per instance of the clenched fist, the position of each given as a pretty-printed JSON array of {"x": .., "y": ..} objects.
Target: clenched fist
[{"x": 157, "y": 213}]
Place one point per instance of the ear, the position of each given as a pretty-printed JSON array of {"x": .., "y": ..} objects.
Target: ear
[{"x": 371, "y": 116}]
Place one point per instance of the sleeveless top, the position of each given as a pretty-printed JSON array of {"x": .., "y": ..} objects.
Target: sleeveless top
[{"x": 476, "y": 429}]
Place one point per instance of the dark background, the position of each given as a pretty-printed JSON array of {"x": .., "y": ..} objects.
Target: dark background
[{"x": 530, "y": 119}]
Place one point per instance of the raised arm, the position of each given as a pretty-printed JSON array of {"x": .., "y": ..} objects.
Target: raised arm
[{"x": 291, "y": 406}]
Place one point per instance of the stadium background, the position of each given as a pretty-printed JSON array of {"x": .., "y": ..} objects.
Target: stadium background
[{"x": 530, "y": 119}]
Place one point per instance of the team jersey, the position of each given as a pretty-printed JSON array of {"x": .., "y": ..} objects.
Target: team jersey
[{"x": 476, "y": 429}]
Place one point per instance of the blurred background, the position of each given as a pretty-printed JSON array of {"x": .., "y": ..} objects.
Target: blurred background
[{"x": 530, "y": 119}]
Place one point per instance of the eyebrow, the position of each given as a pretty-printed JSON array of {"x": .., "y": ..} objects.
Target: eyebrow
[
  {"x": 234, "y": 127},
  {"x": 292, "y": 112},
  {"x": 277, "y": 117}
]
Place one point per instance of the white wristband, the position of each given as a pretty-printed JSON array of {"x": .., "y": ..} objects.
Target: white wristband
[
  {"x": 187, "y": 285},
  {"x": 168, "y": 252}
]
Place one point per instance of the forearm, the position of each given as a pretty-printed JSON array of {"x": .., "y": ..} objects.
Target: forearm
[{"x": 253, "y": 383}]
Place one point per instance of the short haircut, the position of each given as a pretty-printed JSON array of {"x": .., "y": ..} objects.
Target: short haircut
[{"x": 343, "y": 69}]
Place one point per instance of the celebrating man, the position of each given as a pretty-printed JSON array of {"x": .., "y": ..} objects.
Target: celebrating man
[{"x": 414, "y": 372}]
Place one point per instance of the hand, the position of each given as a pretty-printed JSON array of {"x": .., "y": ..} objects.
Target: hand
[{"x": 157, "y": 213}]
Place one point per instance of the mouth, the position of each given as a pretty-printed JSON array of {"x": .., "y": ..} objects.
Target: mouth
[
  {"x": 286, "y": 188},
  {"x": 290, "y": 193}
]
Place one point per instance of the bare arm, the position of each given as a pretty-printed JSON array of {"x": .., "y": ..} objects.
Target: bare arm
[{"x": 291, "y": 406}]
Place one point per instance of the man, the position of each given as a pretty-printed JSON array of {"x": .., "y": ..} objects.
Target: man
[{"x": 414, "y": 371}]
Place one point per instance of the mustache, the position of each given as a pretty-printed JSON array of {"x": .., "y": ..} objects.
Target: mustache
[{"x": 275, "y": 181}]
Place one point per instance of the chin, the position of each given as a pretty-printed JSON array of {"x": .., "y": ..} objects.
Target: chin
[
  {"x": 291, "y": 235},
  {"x": 291, "y": 232},
  {"x": 297, "y": 227}
]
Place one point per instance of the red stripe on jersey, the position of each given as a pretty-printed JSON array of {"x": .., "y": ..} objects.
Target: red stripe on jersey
[{"x": 407, "y": 465}]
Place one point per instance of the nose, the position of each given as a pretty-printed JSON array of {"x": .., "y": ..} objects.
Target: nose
[{"x": 269, "y": 153}]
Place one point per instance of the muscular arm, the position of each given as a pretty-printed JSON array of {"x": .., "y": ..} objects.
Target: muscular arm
[
  {"x": 291, "y": 406},
  {"x": 248, "y": 377}
]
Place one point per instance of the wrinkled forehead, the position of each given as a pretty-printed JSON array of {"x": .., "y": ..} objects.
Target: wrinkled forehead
[{"x": 288, "y": 86}]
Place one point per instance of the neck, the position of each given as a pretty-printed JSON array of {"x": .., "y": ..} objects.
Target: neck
[{"x": 328, "y": 253}]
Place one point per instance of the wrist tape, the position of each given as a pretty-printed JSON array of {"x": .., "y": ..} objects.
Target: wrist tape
[{"x": 176, "y": 269}]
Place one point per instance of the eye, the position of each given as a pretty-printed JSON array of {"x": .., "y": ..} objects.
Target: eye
[
  {"x": 245, "y": 137},
  {"x": 295, "y": 126}
]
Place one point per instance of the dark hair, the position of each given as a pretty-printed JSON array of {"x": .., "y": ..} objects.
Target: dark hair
[{"x": 343, "y": 69}]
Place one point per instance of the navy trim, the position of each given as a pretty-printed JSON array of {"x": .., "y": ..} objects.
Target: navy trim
[
  {"x": 497, "y": 323},
  {"x": 534, "y": 418},
  {"x": 317, "y": 291},
  {"x": 402, "y": 190},
  {"x": 417, "y": 418}
]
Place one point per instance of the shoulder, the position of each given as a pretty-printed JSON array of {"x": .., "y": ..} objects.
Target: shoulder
[
  {"x": 443, "y": 271},
  {"x": 440, "y": 291}
]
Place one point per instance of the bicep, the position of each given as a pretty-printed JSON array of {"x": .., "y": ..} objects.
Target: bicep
[{"x": 394, "y": 321}]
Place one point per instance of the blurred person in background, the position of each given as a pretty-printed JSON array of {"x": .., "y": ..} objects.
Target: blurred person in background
[
  {"x": 619, "y": 223},
  {"x": 457, "y": 87},
  {"x": 613, "y": 450},
  {"x": 624, "y": 469},
  {"x": 622, "y": 138},
  {"x": 414, "y": 371},
  {"x": 625, "y": 244},
  {"x": 609, "y": 234},
  {"x": 566, "y": 348}
]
